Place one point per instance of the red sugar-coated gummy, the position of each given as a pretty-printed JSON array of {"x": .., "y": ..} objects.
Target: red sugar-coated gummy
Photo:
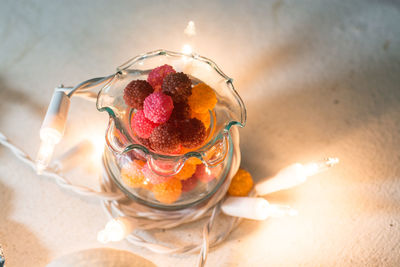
[
  {"x": 192, "y": 133},
  {"x": 178, "y": 86},
  {"x": 142, "y": 125},
  {"x": 189, "y": 184},
  {"x": 152, "y": 177},
  {"x": 205, "y": 175},
  {"x": 158, "y": 107},
  {"x": 136, "y": 92},
  {"x": 157, "y": 75},
  {"x": 165, "y": 138}
]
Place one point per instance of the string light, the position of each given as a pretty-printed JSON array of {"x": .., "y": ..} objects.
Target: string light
[
  {"x": 190, "y": 29},
  {"x": 254, "y": 208},
  {"x": 293, "y": 175},
  {"x": 116, "y": 229},
  {"x": 52, "y": 128}
]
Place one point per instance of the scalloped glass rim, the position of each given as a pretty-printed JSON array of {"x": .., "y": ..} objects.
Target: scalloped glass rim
[{"x": 198, "y": 152}]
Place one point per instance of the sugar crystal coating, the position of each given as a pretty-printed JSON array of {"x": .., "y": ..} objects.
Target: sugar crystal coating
[
  {"x": 178, "y": 86},
  {"x": 203, "y": 98},
  {"x": 192, "y": 133},
  {"x": 168, "y": 192},
  {"x": 142, "y": 126},
  {"x": 165, "y": 138},
  {"x": 158, "y": 107},
  {"x": 241, "y": 184},
  {"x": 136, "y": 92},
  {"x": 157, "y": 75}
]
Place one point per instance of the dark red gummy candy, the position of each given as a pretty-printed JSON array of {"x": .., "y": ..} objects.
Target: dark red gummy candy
[
  {"x": 178, "y": 86},
  {"x": 135, "y": 93},
  {"x": 181, "y": 111},
  {"x": 165, "y": 138},
  {"x": 157, "y": 75},
  {"x": 192, "y": 133},
  {"x": 189, "y": 184}
]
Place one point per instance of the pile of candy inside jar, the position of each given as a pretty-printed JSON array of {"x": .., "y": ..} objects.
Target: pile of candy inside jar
[{"x": 171, "y": 114}]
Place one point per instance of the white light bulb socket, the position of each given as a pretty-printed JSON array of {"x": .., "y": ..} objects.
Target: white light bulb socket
[
  {"x": 52, "y": 129},
  {"x": 246, "y": 207},
  {"x": 54, "y": 122},
  {"x": 290, "y": 176}
]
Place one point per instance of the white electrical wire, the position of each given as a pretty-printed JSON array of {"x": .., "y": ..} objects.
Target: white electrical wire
[
  {"x": 115, "y": 203},
  {"x": 56, "y": 175}
]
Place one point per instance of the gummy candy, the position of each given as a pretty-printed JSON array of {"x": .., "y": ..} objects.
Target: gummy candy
[
  {"x": 141, "y": 125},
  {"x": 189, "y": 184},
  {"x": 132, "y": 175},
  {"x": 186, "y": 172},
  {"x": 181, "y": 111},
  {"x": 157, "y": 75},
  {"x": 192, "y": 133},
  {"x": 241, "y": 184},
  {"x": 178, "y": 86},
  {"x": 203, "y": 98},
  {"x": 194, "y": 161},
  {"x": 144, "y": 141},
  {"x": 136, "y": 92},
  {"x": 168, "y": 192},
  {"x": 152, "y": 177},
  {"x": 205, "y": 174},
  {"x": 165, "y": 138},
  {"x": 203, "y": 117},
  {"x": 158, "y": 107}
]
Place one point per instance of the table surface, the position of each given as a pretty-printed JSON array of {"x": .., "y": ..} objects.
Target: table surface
[{"x": 319, "y": 78}]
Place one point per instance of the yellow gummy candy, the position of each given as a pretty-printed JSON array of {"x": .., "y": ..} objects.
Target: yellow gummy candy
[
  {"x": 241, "y": 184},
  {"x": 203, "y": 98}
]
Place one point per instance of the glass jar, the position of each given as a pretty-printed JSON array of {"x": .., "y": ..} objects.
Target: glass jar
[{"x": 187, "y": 177}]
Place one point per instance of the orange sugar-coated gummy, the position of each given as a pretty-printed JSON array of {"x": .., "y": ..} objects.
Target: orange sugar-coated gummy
[
  {"x": 241, "y": 184},
  {"x": 132, "y": 175},
  {"x": 168, "y": 192},
  {"x": 202, "y": 99}
]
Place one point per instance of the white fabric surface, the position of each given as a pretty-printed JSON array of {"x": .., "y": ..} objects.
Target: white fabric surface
[{"x": 319, "y": 78}]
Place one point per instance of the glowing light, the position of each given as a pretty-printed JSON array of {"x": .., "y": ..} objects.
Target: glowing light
[
  {"x": 294, "y": 175},
  {"x": 255, "y": 208},
  {"x": 190, "y": 29},
  {"x": 52, "y": 129},
  {"x": 187, "y": 49},
  {"x": 50, "y": 137},
  {"x": 116, "y": 230},
  {"x": 98, "y": 142}
]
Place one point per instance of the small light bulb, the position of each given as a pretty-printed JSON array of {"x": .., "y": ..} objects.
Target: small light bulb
[
  {"x": 254, "y": 208},
  {"x": 187, "y": 49},
  {"x": 52, "y": 129},
  {"x": 116, "y": 230},
  {"x": 49, "y": 138},
  {"x": 293, "y": 175},
  {"x": 190, "y": 29}
]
